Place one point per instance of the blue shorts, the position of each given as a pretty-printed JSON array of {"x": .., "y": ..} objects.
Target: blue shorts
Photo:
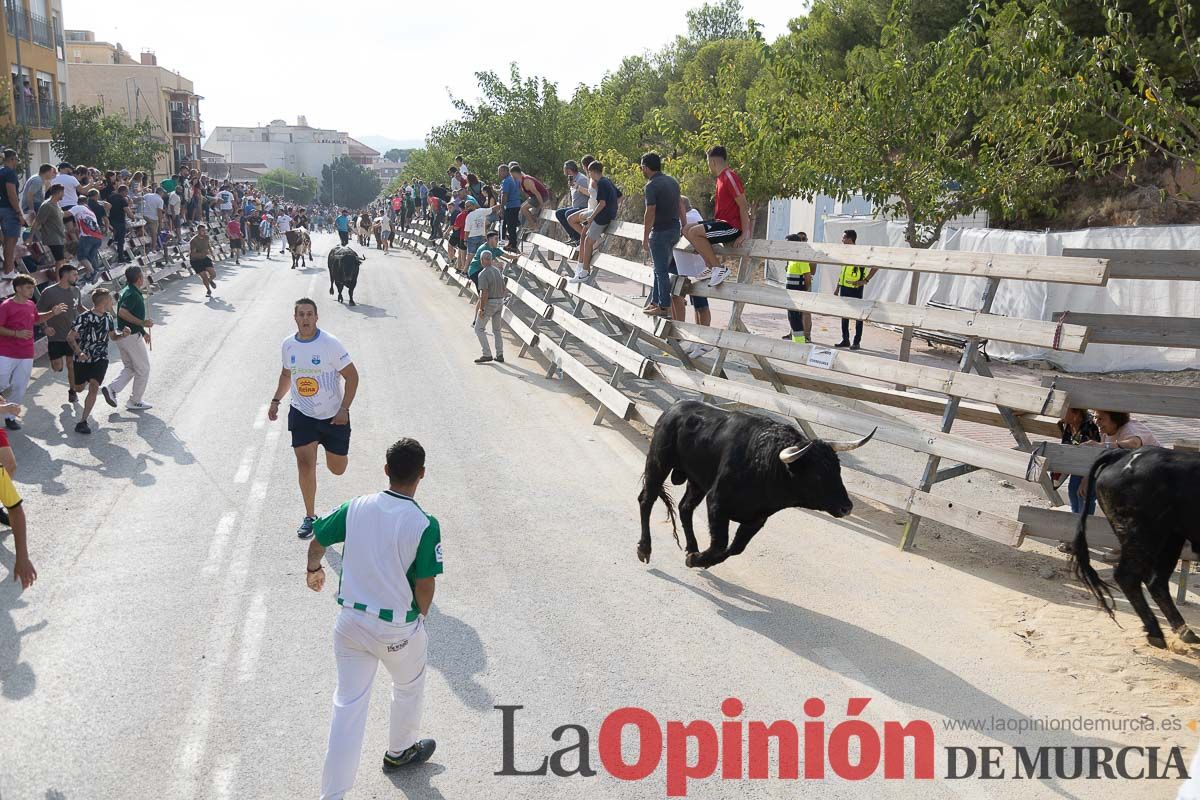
[
  {"x": 10, "y": 223},
  {"x": 306, "y": 430},
  {"x": 699, "y": 303}
]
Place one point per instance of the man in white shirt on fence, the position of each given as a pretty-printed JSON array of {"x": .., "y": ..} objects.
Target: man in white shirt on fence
[{"x": 391, "y": 557}]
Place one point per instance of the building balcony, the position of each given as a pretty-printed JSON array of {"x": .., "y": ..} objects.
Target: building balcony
[
  {"x": 35, "y": 113},
  {"x": 28, "y": 26}
]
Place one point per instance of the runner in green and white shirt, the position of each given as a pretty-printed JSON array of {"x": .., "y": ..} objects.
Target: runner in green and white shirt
[{"x": 391, "y": 555}]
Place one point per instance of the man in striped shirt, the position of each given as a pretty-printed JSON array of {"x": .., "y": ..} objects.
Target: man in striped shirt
[{"x": 391, "y": 557}]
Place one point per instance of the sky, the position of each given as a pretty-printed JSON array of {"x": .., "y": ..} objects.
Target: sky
[{"x": 380, "y": 68}]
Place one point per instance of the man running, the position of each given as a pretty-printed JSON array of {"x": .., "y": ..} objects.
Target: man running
[
  {"x": 319, "y": 414},
  {"x": 200, "y": 256},
  {"x": 342, "y": 223},
  {"x": 266, "y": 232}
]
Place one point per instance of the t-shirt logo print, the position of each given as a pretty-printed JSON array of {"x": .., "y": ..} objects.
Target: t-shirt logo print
[
  {"x": 307, "y": 387},
  {"x": 316, "y": 360}
]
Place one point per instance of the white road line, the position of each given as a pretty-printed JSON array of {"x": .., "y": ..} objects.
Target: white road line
[
  {"x": 222, "y": 785},
  {"x": 312, "y": 285},
  {"x": 262, "y": 478},
  {"x": 220, "y": 638},
  {"x": 220, "y": 538},
  {"x": 243, "y": 471},
  {"x": 260, "y": 419},
  {"x": 252, "y": 631}
]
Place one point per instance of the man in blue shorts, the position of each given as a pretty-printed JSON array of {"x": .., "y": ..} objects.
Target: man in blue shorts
[{"x": 323, "y": 383}]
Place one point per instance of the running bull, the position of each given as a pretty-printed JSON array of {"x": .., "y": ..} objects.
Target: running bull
[
  {"x": 300, "y": 244},
  {"x": 343, "y": 270},
  {"x": 1150, "y": 497},
  {"x": 748, "y": 465}
]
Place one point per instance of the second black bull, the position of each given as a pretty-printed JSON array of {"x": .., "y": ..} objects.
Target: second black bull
[
  {"x": 343, "y": 271},
  {"x": 747, "y": 465}
]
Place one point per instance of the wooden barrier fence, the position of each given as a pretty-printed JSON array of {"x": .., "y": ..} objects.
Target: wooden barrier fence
[{"x": 607, "y": 345}]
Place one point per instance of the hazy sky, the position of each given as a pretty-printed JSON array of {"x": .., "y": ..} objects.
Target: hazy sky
[{"x": 378, "y": 68}]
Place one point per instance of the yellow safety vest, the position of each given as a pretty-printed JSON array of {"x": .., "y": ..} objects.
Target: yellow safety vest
[
  {"x": 852, "y": 275},
  {"x": 799, "y": 268}
]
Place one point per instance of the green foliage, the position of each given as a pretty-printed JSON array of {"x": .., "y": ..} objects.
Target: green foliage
[
  {"x": 346, "y": 184},
  {"x": 17, "y": 137},
  {"x": 84, "y": 135},
  {"x": 294, "y": 188},
  {"x": 397, "y": 154},
  {"x": 931, "y": 110}
]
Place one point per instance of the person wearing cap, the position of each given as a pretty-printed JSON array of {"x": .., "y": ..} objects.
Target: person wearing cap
[{"x": 475, "y": 228}]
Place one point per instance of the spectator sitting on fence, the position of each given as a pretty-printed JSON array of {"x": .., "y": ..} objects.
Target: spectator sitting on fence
[
  {"x": 852, "y": 282},
  {"x": 474, "y": 229},
  {"x": 578, "y": 199},
  {"x": 690, "y": 266},
  {"x": 597, "y": 220},
  {"x": 537, "y": 194},
  {"x": 731, "y": 217},
  {"x": 799, "y": 279}
]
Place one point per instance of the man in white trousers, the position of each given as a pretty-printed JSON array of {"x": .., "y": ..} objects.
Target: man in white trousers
[
  {"x": 390, "y": 560},
  {"x": 135, "y": 355}
]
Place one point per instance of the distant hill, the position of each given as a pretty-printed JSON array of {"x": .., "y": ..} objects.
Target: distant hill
[{"x": 384, "y": 143}]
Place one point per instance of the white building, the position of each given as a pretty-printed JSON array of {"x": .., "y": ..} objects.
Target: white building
[{"x": 298, "y": 148}]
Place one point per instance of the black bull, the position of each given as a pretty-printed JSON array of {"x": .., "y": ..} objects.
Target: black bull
[
  {"x": 300, "y": 244},
  {"x": 343, "y": 271},
  {"x": 748, "y": 465},
  {"x": 1150, "y": 497}
]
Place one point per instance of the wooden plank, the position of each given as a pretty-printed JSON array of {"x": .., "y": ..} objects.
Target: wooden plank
[
  {"x": 1047, "y": 523},
  {"x": 1133, "y": 398},
  {"x": 1023, "y": 466},
  {"x": 525, "y": 333},
  {"x": 820, "y": 381},
  {"x": 622, "y": 309},
  {"x": 1089, "y": 270},
  {"x": 1010, "y": 394},
  {"x": 553, "y": 245},
  {"x": 542, "y": 309},
  {"x": 940, "y": 509},
  {"x": 613, "y": 350},
  {"x": 541, "y": 274},
  {"x": 612, "y": 398},
  {"x": 623, "y": 267},
  {"x": 1037, "y": 333},
  {"x": 1136, "y": 330},
  {"x": 1161, "y": 265}
]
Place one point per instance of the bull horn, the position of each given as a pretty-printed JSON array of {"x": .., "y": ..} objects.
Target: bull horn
[
  {"x": 789, "y": 454},
  {"x": 846, "y": 447}
]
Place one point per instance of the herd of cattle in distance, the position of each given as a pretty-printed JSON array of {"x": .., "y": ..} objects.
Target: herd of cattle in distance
[{"x": 750, "y": 466}]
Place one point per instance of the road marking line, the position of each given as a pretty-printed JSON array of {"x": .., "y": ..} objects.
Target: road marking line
[
  {"x": 220, "y": 538},
  {"x": 223, "y": 777},
  {"x": 220, "y": 639},
  {"x": 312, "y": 285},
  {"x": 243, "y": 471},
  {"x": 260, "y": 419},
  {"x": 258, "y": 491},
  {"x": 252, "y": 631}
]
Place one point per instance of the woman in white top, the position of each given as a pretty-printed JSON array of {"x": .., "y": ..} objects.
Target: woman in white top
[{"x": 1117, "y": 429}]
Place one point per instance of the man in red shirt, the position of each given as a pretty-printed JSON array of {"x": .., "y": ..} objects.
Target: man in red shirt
[
  {"x": 18, "y": 314},
  {"x": 731, "y": 222}
]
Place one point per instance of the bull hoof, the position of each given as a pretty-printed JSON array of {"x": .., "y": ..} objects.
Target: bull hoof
[
  {"x": 1185, "y": 635},
  {"x": 692, "y": 559},
  {"x": 353, "y": 303},
  {"x": 1157, "y": 641},
  {"x": 331, "y": 292},
  {"x": 643, "y": 555}
]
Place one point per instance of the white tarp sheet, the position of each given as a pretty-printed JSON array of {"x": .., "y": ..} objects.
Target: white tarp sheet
[{"x": 1035, "y": 300}]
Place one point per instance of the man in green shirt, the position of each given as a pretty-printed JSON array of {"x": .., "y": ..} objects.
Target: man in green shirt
[
  {"x": 391, "y": 555},
  {"x": 135, "y": 355},
  {"x": 490, "y": 245}
]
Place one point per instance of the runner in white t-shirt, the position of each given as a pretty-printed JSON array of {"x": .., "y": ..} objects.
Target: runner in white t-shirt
[
  {"x": 315, "y": 364},
  {"x": 283, "y": 223}
]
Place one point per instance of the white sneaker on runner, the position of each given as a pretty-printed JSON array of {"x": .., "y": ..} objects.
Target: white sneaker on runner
[
  {"x": 581, "y": 275},
  {"x": 719, "y": 274},
  {"x": 139, "y": 406}
]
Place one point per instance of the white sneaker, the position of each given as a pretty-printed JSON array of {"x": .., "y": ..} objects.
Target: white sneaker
[
  {"x": 139, "y": 406},
  {"x": 719, "y": 274},
  {"x": 581, "y": 275},
  {"x": 697, "y": 350},
  {"x": 703, "y": 276}
]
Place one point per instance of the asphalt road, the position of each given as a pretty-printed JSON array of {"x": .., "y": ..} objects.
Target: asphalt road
[{"x": 171, "y": 650}]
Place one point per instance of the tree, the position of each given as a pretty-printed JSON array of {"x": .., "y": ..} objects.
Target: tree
[
  {"x": 18, "y": 138},
  {"x": 295, "y": 188},
  {"x": 397, "y": 154},
  {"x": 79, "y": 135},
  {"x": 347, "y": 184}
]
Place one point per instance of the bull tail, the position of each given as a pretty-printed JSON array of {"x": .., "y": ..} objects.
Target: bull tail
[
  {"x": 660, "y": 492},
  {"x": 1080, "y": 558}
]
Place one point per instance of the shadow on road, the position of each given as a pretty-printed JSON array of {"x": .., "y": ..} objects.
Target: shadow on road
[
  {"x": 368, "y": 311},
  {"x": 415, "y": 781},
  {"x": 17, "y": 679},
  {"x": 893, "y": 670},
  {"x": 456, "y": 651}
]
